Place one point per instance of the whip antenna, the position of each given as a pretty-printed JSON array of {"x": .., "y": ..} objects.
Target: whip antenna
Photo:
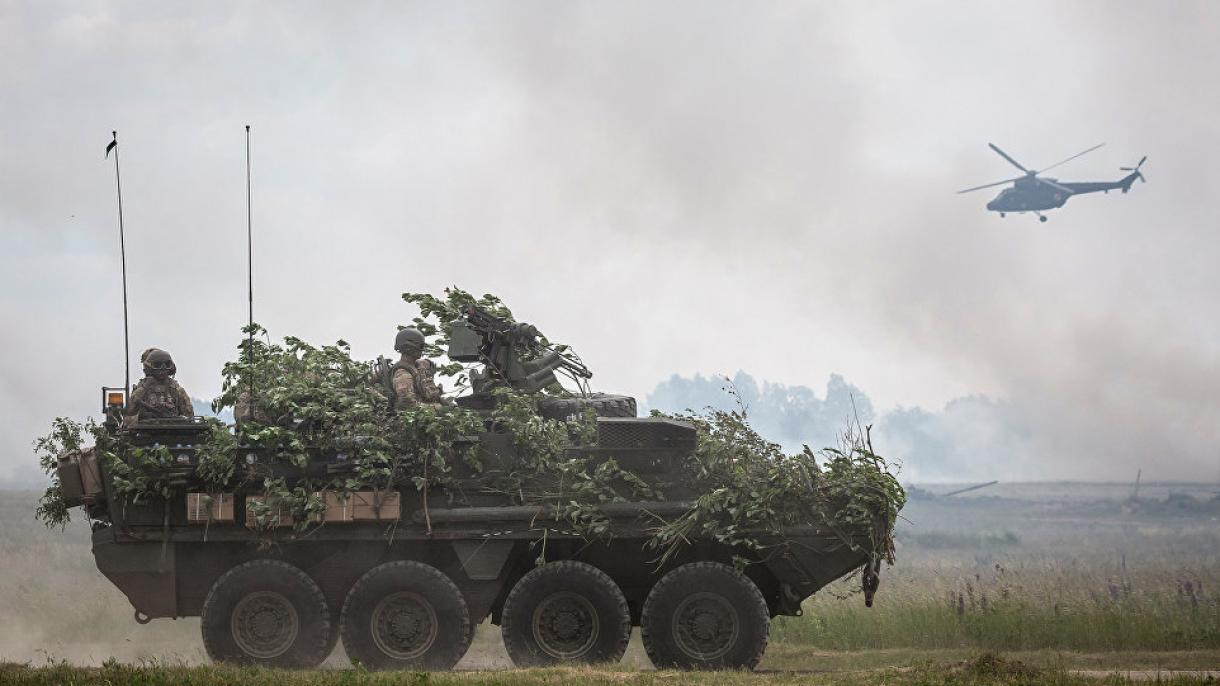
[
  {"x": 118, "y": 185},
  {"x": 249, "y": 268}
]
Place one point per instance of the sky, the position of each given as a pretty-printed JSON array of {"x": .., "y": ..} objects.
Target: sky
[{"x": 671, "y": 187}]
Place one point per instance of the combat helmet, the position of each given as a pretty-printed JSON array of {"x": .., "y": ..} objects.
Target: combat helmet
[
  {"x": 410, "y": 340},
  {"x": 158, "y": 363}
]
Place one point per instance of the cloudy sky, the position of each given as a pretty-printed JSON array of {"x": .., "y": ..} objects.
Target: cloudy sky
[{"x": 670, "y": 187}]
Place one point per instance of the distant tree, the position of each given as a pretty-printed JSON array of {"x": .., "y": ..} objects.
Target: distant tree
[
  {"x": 203, "y": 408},
  {"x": 972, "y": 438},
  {"x": 789, "y": 415}
]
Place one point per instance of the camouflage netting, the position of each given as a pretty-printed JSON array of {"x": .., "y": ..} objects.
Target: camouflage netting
[{"x": 308, "y": 402}]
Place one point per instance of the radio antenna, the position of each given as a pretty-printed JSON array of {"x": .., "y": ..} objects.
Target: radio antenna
[
  {"x": 118, "y": 185},
  {"x": 249, "y": 269}
]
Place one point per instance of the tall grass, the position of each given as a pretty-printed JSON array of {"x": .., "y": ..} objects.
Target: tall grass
[
  {"x": 1098, "y": 583},
  {"x": 1053, "y": 604},
  {"x": 982, "y": 670}
]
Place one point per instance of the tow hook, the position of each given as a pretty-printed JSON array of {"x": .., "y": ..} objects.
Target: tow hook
[{"x": 871, "y": 580}]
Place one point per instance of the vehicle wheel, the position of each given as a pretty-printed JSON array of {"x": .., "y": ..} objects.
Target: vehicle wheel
[
  {"x": 336, "y": 618},
  {"x": 705, "y": 615},
  {"x": 405, "y": 615},
  {"x": 603, "y": 404},
  {"x": 1042, "y": 219},
  {"x": 565, "y": 612},
  {"x": 266, "y": 612}
]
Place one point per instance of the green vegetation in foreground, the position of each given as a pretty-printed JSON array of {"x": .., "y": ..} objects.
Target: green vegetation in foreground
[
  {"x": 1061, "y": 604},
  {"x": 789, "y": 657},
  {"x": 982, "y": 670}
]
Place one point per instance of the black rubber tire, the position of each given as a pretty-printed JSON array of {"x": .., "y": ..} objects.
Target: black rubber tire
[
  {"x": 424, "y": 589},
  {"x": 567, "y": 591},
  {"x": 277, "y": 586},
  {"x": 730, "y": 601},
  {"x": 336, "y": 618},
  {"x": 603, "y": 404}
]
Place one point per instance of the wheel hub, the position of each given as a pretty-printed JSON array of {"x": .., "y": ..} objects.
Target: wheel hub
[
  {"x": 565, "y": 625},
  {"x": 404, "y": 625},
  {"x": 264, "y": 624},
  {"x": 706, "y": 626}
]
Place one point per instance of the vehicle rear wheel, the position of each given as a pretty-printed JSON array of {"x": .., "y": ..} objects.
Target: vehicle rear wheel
[
  {"x": 705, "y": 615},
  {"x": 565, "y": 612},
  {"x": 266, "y": 612},
  {"x": 405, "y": 615}
]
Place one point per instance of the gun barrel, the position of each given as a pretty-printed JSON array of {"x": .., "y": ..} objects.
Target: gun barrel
[{"x": 970, "y": 488}]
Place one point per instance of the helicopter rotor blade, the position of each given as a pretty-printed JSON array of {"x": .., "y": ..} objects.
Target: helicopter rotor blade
[
  {"x": 1011, "y": 161},
  {"x": 989, "y": 185},
  {"x": 1137, "y": 166},
  {"x": 1071, "y": 158}
]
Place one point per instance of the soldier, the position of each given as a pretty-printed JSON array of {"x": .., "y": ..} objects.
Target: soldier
[
  {"x": 411, "y": 376},
  {"x": 157, "y": 396},
  {"x": 246, "y": 409},
  {"x": 431, "y": 391}
]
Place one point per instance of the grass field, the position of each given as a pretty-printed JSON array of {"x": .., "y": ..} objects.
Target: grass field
[
  {"x": 1070, "y": 604},
  {"x": 1006, "y": 574},
  {"x": 1056, "y": 583},
  {"x": 981, "y": 670}
]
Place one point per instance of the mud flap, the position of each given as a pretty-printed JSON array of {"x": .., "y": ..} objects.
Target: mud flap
[{"x": 871, "y": 579}]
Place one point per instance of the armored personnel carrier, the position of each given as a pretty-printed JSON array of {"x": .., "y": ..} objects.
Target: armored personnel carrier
[{"x": 402, "y": 575}]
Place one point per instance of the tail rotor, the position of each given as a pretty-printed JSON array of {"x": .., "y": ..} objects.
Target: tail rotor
[{"x": 1135, "y": 174}]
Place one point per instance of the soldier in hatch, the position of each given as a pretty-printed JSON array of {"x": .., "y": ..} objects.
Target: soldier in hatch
[
  {"x": 246, "y": 409},
  {"x": 157, "y": 396},
  {"x": 412, "y": 376}
]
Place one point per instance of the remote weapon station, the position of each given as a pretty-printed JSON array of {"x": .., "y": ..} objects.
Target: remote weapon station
[{"x": 1033, "y": 193}]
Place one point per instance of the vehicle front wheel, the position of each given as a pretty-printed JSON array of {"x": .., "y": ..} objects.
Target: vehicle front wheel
[
  {"x": 269, "y": 613},
  {"x": 406, "y": 615},
  {"x": 565, "y": 612},
  {"x": 705, "y": 615}
]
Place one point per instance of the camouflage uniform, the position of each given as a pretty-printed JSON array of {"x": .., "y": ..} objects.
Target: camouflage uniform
[
  {"x": 411, "y": 376},
  {"x": 405, "y": 378},
  {"x": 159, "y": 399},
  {"x": 245, "y": 411},
  {"x": 157, "y": 396},
  {"x": 430, "y": 391}
]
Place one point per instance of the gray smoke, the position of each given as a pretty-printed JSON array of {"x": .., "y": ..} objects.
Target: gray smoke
[
  {"x": 667, "y": 186},
  {"x": 970, "y": 438}
]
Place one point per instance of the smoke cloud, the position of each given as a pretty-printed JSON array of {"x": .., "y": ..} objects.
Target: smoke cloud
[{"x": 670, "y": 187}]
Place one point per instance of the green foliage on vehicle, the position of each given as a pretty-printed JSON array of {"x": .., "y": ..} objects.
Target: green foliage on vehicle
[{"x": 317, "y": 402}]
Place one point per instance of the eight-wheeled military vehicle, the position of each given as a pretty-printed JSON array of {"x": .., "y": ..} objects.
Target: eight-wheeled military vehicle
[{"x": 403, "y": 583}]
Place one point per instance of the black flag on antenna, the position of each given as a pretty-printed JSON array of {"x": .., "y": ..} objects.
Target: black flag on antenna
[{"x": 111, "y": 146}]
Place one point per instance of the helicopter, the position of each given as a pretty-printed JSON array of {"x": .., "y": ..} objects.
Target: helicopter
[{"x": 1034, "y": 193}]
